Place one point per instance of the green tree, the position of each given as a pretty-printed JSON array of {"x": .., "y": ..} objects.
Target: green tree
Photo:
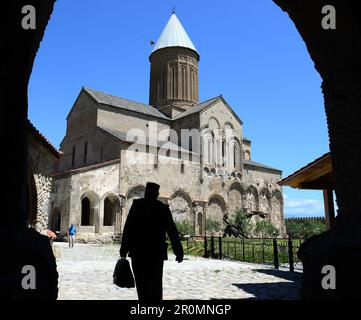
[
  {"x": 304, "y": 228},
  {"x": 239, "y": 225},
  {"x": 242, "y": 221},
  {"x": 265, "y": 228},
  {"x": 184, "y": 227},
  {"x": 212, "y": 225}
]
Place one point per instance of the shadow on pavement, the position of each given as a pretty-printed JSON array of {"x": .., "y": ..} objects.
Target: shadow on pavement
[
  {"x": 276, "y": 290},
  {"x": 287, "y": 275}
]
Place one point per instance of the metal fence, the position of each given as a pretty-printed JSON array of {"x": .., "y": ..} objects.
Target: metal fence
[{"x": 277, "y": 252}]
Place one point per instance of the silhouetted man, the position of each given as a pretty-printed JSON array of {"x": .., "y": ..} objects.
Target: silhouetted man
[{"x": 144, "y": 239}]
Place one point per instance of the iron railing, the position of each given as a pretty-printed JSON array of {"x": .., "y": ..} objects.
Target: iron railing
[{"x": 272, "y": 251}]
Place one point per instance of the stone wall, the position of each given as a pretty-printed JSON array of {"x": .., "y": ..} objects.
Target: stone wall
[
  {"x": 81, "y": 127},
  {"x": 194, "y": 190},
  {"x": 95, "y": 183},
  {"x": 42, "y": 164}
]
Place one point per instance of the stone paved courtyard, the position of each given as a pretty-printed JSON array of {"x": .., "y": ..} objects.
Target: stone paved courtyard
[{"x": 85, "y": 272}]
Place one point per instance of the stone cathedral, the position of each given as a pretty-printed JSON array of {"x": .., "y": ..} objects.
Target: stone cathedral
[{"x": 97, "y": 177}]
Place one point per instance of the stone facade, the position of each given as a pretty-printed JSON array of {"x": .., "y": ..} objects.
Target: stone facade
[
  {"x": 195, "y": 188},
  {"x": 42, "y": 161},
  {"x": 185, "y": 146}
]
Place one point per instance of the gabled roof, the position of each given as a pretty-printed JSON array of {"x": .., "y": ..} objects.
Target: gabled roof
[
  {"x": 204, "y": 105},
  {"x": 260, "y": 165},
  {"x": 198, "y": 107},
  {"x": 174, "y": 35},
  {"x": 118, "y": 102}
]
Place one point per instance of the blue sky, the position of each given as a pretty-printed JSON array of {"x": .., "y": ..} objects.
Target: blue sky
[{"x": 250, "y": 52}]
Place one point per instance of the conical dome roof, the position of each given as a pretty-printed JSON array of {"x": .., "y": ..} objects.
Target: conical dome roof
[{"x": 174, "y": 35}]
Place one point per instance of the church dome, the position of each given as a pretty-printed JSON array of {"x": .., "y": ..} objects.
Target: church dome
[{"x": 174, "y": 35}]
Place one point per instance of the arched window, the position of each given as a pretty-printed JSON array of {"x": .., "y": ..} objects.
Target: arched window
[
  {"x": 209, "y": 150},
  {"x": 73, "y": 157},
  {"x": 223, "y": 144},
  {"x": 174, "y": 84},
  {"x": 85, "y": 151},
  {"x": 191, "y": 84},
  {"x": 183, "y": 83},
  {"x": 165, "y": 84},
  {"x": 234, "y": 156}
]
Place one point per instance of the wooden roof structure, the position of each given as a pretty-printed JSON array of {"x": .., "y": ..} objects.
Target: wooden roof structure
[{"x": 317, "y": 175}]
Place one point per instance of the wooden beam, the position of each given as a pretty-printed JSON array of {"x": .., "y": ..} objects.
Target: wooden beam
[
  {"x": 324, "y": 183},
  {"x": 319, "y": 168},
  {"x": 329, "y": 208}
]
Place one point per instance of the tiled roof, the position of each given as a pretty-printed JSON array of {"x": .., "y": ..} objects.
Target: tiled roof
[
  {"x": 38, "y": 135},
  {"x": 197, "y": 108},
  {"x": 118, "y": 102},
  {"x": 257, "y": 164},
  {"x": 152, "y": 142}
]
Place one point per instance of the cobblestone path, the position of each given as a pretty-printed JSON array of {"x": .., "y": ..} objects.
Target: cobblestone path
[{"x": 85, "y": 272}]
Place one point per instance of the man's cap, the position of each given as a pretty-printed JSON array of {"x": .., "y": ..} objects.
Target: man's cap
[{"x": 152, "y": 187}]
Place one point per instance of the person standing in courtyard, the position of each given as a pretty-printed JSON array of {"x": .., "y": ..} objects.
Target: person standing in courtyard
[
  {"x": 71, "y": 235},
  {"x": 144, "y": 241}
]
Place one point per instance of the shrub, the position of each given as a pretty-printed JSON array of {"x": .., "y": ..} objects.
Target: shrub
[
  {"x": 242, "y": 222},
  {"x": 212, "y": 225},
  {"x": 304, "y": 228},
  {"x": 265, "y": 228},
  {"x": 184, "y": 227}
]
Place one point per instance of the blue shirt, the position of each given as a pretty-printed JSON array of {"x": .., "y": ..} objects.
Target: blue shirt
[{"x": 72, "y": 231}]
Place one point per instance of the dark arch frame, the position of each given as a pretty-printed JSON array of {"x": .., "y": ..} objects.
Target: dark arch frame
[
  {"x": 32, "y": 196},
  {"x": 340, "y": 72}
]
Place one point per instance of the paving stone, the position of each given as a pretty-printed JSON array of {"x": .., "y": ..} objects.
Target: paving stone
[{"x": 85, "y": 272}]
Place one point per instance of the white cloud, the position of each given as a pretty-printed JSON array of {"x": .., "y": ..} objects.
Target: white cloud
[{"x": 303, "y": 207}]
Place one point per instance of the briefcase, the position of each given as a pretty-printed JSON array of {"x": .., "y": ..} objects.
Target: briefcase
[{"x": 123, "y": 276}]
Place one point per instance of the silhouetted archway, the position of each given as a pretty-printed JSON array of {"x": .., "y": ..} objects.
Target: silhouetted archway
[{"x": 32, "y": 197}]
